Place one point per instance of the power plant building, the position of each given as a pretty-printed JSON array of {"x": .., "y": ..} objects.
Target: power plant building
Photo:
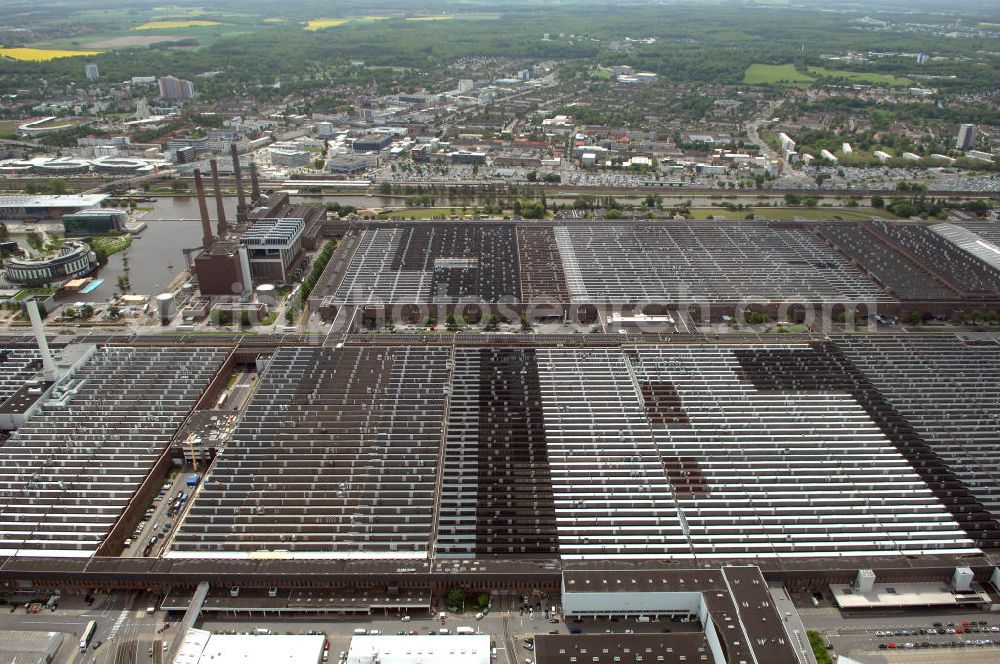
[
  {"x": 223, "y": 269},
  {"x": 273, "y": 247}
]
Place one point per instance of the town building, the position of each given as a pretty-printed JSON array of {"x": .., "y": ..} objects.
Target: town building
[
  {"x": 966, "y": 136},
  {"x": 176, "y": 88}
]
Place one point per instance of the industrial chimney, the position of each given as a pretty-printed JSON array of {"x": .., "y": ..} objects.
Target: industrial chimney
[
  {"x": 254, "y": 185},
  {"x": 220, "y": 208},
  {"x": 241, "y": 206},
  {"x": 206, "y": 224},
  {"x": 48, "y": 366}
]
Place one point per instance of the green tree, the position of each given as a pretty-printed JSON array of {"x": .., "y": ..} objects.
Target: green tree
[
  {"x": 455, "y": 600},
  {"x": 878, "y": 202}
]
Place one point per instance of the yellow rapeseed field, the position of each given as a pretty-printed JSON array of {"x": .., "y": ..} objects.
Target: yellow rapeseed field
[
  {"x": 41, "y": 54},
  {"x": 171, "y": 25},
  {"x": 322, "y": 23}
]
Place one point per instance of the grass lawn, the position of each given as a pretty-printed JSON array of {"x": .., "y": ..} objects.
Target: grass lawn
[
  {"x": 38, "y": 292},
  {"x": 758, "y": 74},
  {"x": 861, "y": 77},
  {"x": 7, "y": 129},
  {"x": 785, "y": 214},
  {"x": 431, "y": 212},
  {"x": 111, "y": 244}
]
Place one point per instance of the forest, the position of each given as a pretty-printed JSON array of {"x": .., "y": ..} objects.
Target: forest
[{"x": 694, "y": 43}]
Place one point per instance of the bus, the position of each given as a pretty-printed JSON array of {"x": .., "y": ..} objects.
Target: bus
[{"x": 88, "y": 634}]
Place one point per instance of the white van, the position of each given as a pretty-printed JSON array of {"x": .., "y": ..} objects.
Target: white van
[{"x": 360, "y": 631}]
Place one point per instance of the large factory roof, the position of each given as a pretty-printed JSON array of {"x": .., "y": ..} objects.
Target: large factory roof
[
  {"x": 67, "y": 474},
  {"x": 594, "y": 452}
]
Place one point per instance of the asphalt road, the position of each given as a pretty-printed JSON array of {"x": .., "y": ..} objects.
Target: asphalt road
[{"x": 124, "y": 629}]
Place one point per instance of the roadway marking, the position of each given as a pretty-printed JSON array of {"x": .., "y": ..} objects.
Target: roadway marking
[{"x": 118, "y": 624}]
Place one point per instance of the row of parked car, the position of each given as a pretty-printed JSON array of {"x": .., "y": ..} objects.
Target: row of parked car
[
  {"x": 941, "y": 644},
  {"x": 965, "y": 627}
]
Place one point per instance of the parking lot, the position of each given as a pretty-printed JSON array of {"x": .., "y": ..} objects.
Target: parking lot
[
  {"x": 941, "y": 634},
  {"x": 162, "y": 516}
]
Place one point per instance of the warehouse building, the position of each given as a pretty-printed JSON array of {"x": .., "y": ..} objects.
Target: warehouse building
[
  {"x": 420, "y": 648},
  {"x": 202, "y": 647}
]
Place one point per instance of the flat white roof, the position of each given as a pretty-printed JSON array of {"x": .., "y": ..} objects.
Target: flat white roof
[
  {"x": 79, "y": 200},
  {"x": 421, "y": 649},
  {"x": 896, "y": 595},
  {"x": 252, "y": 649}
]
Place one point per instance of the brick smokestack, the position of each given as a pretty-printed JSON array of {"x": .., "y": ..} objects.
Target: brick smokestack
[
  {"x": 206, "y": 223},
  {"x": 220, "y": 208},
  {"x": 241, "y": 206},
  {"x": 254, "y": 184}
]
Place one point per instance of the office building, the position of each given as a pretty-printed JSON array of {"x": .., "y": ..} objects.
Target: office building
[
  {"x": 289, "y": 158},
  {"x": 43, "y": 207},
  {"x": 372, "y": 142},
  {"x": 74, "y": 259},
  {"x": 100, "y": 221}
]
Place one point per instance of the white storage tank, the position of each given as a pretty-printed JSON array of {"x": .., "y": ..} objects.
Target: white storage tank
[
  {"x": 165, "y": 306},
  {"x": 267, "y": 294}
]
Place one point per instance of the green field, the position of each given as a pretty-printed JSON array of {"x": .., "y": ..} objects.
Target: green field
[
  {"x": 758, "y": 74},
  {"x": 601, "y": 73},
  {"x": 861, "y": 77}
]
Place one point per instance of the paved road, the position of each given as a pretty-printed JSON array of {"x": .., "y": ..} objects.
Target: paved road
[{"x": 124, "y": 628}]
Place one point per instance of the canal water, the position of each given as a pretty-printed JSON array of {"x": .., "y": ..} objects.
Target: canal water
[{"x": 156, "y": 255}]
